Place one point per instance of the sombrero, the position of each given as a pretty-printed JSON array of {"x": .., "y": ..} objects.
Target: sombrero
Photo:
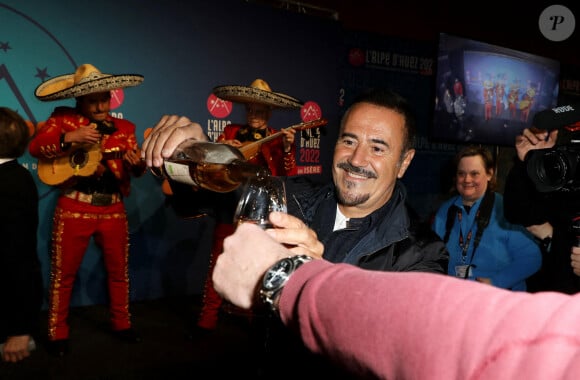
[
  {"x": 258, "y": 92},
  {"x": 87, "y": 79}
]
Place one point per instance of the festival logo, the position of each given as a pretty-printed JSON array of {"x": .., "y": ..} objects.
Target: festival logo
[{"x": 217, "y": 107}]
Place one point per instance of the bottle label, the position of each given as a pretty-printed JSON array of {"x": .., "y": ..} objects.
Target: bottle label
[{"x": 179, "y": 172}]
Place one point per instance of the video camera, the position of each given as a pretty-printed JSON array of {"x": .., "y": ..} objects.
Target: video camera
[{"x": 557, "y": 168}]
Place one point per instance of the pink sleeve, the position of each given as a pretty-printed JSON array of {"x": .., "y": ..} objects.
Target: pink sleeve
[{"x": 422, "y": 326}]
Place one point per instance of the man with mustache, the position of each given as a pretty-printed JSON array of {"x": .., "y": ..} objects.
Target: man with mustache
[{"x": 361, "y": 217}]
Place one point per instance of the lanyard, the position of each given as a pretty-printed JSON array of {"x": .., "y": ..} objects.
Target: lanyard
[{"x": 464, "y": 245}]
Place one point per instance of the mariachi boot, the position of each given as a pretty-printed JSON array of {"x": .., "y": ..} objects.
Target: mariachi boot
[{"x": 211, "y": 301}]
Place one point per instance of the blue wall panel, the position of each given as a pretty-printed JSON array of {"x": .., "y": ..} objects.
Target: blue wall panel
[{"x": 183, "y": 49}]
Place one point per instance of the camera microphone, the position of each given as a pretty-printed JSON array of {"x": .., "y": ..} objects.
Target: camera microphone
[
  {"x": 558, "y": 168},
  {"x": 557, "y": 117}
]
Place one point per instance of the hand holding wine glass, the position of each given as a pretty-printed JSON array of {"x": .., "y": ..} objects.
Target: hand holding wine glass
[{"x": 260, "y": 196}]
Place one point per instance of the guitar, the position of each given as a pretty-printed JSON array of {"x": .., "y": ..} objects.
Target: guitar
[
  {"x": 249, "y": 150},
  {"x": 82, "y": 160}
]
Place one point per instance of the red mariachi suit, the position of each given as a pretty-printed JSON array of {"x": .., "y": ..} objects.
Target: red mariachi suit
[
  {"x": 76, "y": 221},
  {"x": 280, "y": 163},
  {"x": 499, "y": 94},
  {"x": 487, "y": 100},
  {"x": 513, "y": 95},
  {"x": 526, "y": 104}
]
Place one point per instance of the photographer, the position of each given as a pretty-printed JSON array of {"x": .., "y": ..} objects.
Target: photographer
[{"x": 543, "y": 194}]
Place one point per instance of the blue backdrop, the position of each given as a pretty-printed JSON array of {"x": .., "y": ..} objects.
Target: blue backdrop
[{"x": 183, "y": 49}]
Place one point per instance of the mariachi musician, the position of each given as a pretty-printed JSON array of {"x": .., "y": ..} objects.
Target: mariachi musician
[
  {"x": 90, "y": 156},
  {"x": 277, "y": 154}
]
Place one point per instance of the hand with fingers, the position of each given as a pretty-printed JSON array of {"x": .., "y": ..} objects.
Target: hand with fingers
[
  {"x": 168, "y": 133},
  {"x": 295, "y": 235},
  {"x": 533, "y": 138}
]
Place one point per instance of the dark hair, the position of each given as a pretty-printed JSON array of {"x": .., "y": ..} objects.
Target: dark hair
[
  {"x": 391, "y": 100},
  {"x": 486, "y": 157},
  {"x": 14, "y": 134}
]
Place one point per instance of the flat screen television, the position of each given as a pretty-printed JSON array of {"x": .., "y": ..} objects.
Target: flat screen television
[{"x": 488, "y": 94}]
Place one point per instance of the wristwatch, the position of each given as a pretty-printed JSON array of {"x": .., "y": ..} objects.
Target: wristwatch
[
  {"x": 546, "y": 244},
  {"x": 276, "y": 277},
  {"x": 64, "y": 145}
]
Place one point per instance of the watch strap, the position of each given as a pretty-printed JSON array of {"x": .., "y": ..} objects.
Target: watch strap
[
  {"x": 64, "y": 145},
  {"x": 269, "y": 296}
]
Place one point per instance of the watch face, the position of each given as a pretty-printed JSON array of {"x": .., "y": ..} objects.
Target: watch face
[{"x": 278, "y": 274}]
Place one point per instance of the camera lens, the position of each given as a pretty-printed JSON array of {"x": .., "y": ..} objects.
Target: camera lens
[{"x": 550, "y": 170}]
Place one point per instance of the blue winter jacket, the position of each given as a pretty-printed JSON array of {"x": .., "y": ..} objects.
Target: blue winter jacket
[{"x": 507, "y": 253}]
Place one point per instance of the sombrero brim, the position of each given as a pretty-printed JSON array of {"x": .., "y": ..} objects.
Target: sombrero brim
[
  {"x": 245, "y": 94},
  {"x": 46, "y": 90}
]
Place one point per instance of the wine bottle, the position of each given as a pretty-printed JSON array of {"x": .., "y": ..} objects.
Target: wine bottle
[{"x": 209, "y": 165}]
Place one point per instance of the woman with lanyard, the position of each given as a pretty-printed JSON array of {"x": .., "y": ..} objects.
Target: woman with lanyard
[{"x": 483, "y": 246}]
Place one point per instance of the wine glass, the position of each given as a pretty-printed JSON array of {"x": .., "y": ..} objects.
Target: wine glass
[{"x": 260, "y": 196}]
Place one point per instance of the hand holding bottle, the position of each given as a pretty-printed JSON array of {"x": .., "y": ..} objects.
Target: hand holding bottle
[
  {"x": 212, "y": 166},
  {"x": 168, "y": 133}
]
